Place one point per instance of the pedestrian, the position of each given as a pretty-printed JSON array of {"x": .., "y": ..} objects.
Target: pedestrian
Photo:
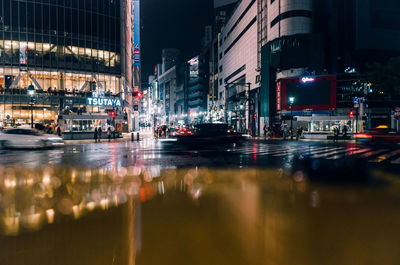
[
  {"x": 109, "y": 133},
  {"x": 49, "y": 130},
  {"x": 345, "y": 131},
  {"x": 336, "y": 134},
  {"x": 100, "y": 134},
  {"x": 265, "y": 130},
  {"x": 96, "y": 134},
  {"x": 59, "y": 130}
]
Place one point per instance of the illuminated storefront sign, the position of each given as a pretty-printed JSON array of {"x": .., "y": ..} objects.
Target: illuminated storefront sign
[
  {"x": 307, "y": 79},
  {"x": 105, "y": 102}
]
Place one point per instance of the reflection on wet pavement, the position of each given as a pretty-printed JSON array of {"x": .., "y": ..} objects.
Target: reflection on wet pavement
[{"x": 194, "y": 216}]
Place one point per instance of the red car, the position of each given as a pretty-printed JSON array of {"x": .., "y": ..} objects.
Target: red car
[
  {"x": 185, "y": 131},
  {"x": 381, "y": 134}
]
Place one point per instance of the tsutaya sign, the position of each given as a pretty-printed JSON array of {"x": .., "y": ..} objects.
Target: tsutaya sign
[{"x": 105, "y": 102}]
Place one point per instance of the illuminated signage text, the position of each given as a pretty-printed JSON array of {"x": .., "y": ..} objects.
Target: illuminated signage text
[{"x": 104, "y": 102}]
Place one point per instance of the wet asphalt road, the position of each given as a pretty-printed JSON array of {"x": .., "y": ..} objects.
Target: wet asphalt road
[
  {"x": 160, "y": 203},
  {"x": 167, "y": 154}
]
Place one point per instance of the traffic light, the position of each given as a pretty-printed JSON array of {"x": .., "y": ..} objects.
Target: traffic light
[
  {"x": 137, "y": 94},
  {"x": 351, "y": 114},
  {"x": 112, "y": 114}
]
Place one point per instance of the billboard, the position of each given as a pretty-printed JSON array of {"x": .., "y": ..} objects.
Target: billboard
[
  {"x": 308, "y": 93},
  {"x": 136, "y": 32}
]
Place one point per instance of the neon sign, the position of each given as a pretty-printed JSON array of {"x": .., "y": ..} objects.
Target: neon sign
[
  {"x": 104, "y": 102},
  {"x": 307, "y": 79}
]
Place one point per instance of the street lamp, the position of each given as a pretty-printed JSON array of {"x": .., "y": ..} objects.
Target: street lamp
[
  {"x": 291, "y": 101},
  {"x": 31, "y": 93}
]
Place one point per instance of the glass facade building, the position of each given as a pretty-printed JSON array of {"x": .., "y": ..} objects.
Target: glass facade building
[{"x": 68, "y": 50}]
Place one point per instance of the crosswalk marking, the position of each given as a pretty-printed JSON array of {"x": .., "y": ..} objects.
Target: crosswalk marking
[
  {"x": 333, "y": 152},
  {"x": 374, "y": 153},
  {"x": 342, "y": 153},
  {"x": 323, "y": 150},
  {"x": 384, "y": 157},
  {"x": 286, "y": 152},
  {"x": 338, "y": 154},
  {"x": 360, "y": 151},
  {"x": 326, "y": 152}
]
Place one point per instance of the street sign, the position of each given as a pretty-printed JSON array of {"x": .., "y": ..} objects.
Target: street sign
[{"x": 356, "y": 101}]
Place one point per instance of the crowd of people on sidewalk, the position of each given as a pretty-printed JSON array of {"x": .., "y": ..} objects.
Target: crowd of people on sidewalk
[
  {"x": 98, "y": 133},
  {"x": 285, "y": 132}
]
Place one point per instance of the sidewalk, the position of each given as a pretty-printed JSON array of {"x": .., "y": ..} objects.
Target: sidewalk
[
  {"x": 126, "y": 137},
  {"x": 301, "y": 140}
]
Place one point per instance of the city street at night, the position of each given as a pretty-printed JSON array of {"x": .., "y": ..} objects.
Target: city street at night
[{"x": 199, "y": 132}]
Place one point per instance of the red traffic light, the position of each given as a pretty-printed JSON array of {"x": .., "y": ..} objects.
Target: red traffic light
[
  {"x": 351, "y": 114},
  {"x": 255, "y": 116},
  {"x": 137, "y": 94},
  {"x": 112, "y": 113}
]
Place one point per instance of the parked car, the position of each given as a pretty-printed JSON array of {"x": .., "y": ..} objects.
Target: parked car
[
  {"x": 381, "y": 134},
  {"x": 28, "y": 138}
]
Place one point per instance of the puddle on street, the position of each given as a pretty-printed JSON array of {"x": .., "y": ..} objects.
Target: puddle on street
[{"x": 149, "y": 216}]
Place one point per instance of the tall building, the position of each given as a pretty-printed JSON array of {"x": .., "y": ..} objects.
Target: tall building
[
  {"x": 170, "y": 57},
  {"x": 238, "y": 76},
  {"x": 222, "y": 12},
  {"x": 196, "y": 90},
  {"x": 75, "y": 58}
]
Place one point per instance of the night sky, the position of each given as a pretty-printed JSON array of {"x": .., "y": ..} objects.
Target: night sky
[{"x": 172, "y": 24}]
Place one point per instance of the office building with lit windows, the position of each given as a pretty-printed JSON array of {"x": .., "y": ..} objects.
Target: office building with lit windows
[
  {"x": 318, "y": 53},
  {"x": 68, "y": 52}
]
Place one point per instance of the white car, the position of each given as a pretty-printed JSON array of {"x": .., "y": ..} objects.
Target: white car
[{"x": 28, "y": 138}]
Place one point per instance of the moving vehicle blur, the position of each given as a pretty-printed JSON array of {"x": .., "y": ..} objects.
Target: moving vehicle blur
[
  {"x": 381, "y": 134},
  {"x": 210, "y": 133},
  {"x": 28, "y": 138}
]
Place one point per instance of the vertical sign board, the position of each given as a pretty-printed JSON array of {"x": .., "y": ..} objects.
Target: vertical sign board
[
  {"x": 136, "y": 32},
  {"x": 278, "y": 96}
]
